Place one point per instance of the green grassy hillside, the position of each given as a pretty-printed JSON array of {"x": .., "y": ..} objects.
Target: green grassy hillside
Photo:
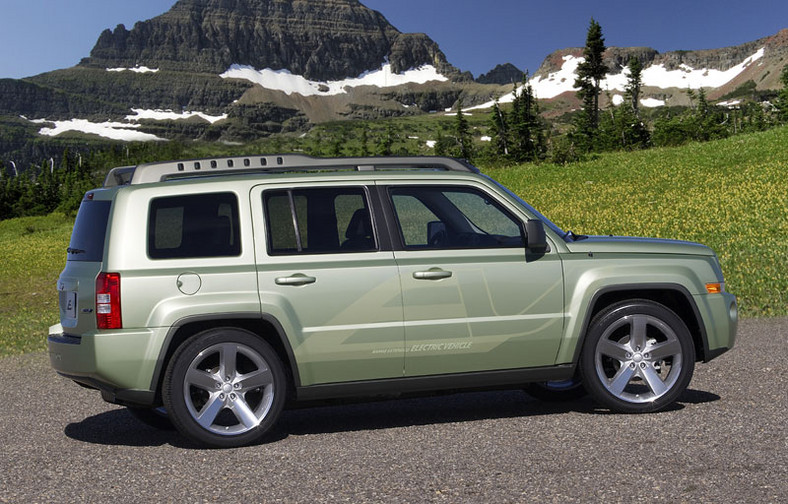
[
  {"x": 731, "y": 195},
  {"x": 34, "y": 252}
]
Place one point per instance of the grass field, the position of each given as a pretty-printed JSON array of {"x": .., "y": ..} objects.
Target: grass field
[{"x": 731, "y": 195}]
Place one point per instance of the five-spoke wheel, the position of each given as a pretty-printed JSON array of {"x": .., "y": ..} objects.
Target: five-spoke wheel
[
  {"x": 225, "y": 387},
  {"x": 638, "y": 356}
]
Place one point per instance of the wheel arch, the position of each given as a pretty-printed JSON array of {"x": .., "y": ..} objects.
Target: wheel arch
[
  {"x": 673, "y": 296},
  {"x": 266, "y": 327}
]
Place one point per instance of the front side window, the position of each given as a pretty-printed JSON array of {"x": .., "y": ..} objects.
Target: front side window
[
  {"x": 318, "y": 221},
  {"x": 194, "y": 226},
  {"x": 453, "y": 218}
]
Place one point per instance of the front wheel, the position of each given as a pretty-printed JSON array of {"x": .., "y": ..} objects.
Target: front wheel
[
  {"x": 638, "y": 357},
  {"x": 224, "y": 388}
]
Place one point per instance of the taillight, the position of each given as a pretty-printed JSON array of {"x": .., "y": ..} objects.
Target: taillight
[{"x": 108, "y": 301}]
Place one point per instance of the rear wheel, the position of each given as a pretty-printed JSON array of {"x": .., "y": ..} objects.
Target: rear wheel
[
  {"x": 224, "y": 388},
  {"x": 638, "y": 357}
]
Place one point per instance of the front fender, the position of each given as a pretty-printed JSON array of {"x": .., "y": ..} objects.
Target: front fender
[{"x": 585, "y": 285}]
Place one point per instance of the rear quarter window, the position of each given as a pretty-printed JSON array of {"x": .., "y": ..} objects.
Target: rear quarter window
[
  {"x": 194, "y": 226},
  {"x": 90, "y": 229}
]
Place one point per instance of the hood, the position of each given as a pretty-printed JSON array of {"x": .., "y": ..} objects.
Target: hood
[{"x": 628, "y": 245}]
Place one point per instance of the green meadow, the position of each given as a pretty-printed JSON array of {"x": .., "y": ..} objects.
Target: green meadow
[{"x": 731, "y": 195}]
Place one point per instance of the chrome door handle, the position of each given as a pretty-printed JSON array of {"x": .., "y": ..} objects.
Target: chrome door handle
[
  {"x": 297, "y": 279},
  {"x": 433, "y": 274}
]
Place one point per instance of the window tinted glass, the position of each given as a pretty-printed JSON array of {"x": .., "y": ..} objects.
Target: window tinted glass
[
  {"x": 315, "y": 221},
  {"x": 194, "y": 226},
  {"x": 90, "y": 228},
  {"x": 435, "y": 217}
]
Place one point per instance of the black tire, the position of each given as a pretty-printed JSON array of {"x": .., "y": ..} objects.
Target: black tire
[
  {"x": 152, "y": 417},
  {"x": 638, "y": 357},
  {"x": 224, "y": 388},
  {"x": 557, "y": 391}
]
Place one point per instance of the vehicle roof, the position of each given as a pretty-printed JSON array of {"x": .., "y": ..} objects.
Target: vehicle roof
[{"x": 279, "y": 166}]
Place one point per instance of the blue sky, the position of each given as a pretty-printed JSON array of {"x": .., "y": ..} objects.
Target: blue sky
[{"x": 41, "y": 35}]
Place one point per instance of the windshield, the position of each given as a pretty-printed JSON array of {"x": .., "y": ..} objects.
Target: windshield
[{"x": 547, "y": 222}]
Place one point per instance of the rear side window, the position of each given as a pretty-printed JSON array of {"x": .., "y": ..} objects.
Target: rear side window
[
  {"x": 318, "y": 221},
  {"x": 90, "y": 228},
  {"x": 194, "y": 226}
]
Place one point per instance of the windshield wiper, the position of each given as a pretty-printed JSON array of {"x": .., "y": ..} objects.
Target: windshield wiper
[{"x": 574, "y": 237}]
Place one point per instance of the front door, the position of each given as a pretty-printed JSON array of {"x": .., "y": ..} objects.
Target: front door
[{"x": 473, "y": 299}]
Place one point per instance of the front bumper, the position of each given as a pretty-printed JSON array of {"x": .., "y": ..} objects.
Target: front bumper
[{"x": 720, "y": 313}]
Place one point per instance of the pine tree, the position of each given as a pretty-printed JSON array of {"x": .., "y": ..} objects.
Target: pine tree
[
  {"x": 364, "y": 140},
  {"x": 386, "y": 143},
  {"x": 634, "y": 83},
  {"x": 499, "y": 130},
  {"x": 590, "y": 74},
  {"x": 528, "y": 138},
  {"x": 782, "y": 98},
  {"x": 462, "y": 132}
]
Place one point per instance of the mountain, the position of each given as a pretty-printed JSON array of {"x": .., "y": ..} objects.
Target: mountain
[
  {"x": 666, "y": 76},
  {"x": 738, "y": 72},
  {"x": 317, "y": 39},
  {"x": 238, "y": 70},
  {"x": 502, "y": 74},
  {"x": 235, "y": 70}
]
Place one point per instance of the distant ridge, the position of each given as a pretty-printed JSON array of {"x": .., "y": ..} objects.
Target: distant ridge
[{"x": 771, "y": 54}]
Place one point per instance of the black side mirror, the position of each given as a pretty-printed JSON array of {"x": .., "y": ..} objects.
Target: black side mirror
[{"x": 536, "y": 237}]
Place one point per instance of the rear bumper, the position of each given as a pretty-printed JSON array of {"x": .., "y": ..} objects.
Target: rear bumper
[{"x": 117, "y": 363}]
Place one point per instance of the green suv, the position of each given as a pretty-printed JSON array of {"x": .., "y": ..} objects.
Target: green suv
[{"x": 211, "y": 293}]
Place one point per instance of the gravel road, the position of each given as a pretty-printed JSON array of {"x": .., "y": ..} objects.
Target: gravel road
[{"x": 726, "y": 441}]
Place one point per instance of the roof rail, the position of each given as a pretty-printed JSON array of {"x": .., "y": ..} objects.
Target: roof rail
[{"x": 279, "y": 163}]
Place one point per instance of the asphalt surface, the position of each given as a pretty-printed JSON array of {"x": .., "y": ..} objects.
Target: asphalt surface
[{"x": 726, "y": 441}]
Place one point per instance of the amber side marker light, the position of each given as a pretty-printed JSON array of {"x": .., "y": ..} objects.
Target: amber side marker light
[{"x": 714, "y": 288}]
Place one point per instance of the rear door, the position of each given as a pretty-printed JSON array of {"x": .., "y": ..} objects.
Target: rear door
[
  {"x": 77, "y": 283},
  {"x": 474, "y": 300},
  {"x": 326, "y": 273}
]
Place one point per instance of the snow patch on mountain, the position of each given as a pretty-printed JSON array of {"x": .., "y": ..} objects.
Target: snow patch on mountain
[
  {"x": 169, "y": 115},
  {"x": 139, "y": 69},
  {"x": 558, "y": 82},
  {"x": 124, "y": 131},
  {"x": 108, "y": 129},
  {"x": 285, "y": 81},
  {"x": 563, "y": 81},
  {"x": 652, "y": 102}
]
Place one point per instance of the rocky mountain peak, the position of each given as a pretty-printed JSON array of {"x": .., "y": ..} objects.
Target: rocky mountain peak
[
  {"x": 319, "y": 39},
  {"x": 502, "y": 74}
]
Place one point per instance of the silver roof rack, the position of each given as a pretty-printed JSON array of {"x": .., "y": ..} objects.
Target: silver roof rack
[{"x": 281, "y": 163}]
